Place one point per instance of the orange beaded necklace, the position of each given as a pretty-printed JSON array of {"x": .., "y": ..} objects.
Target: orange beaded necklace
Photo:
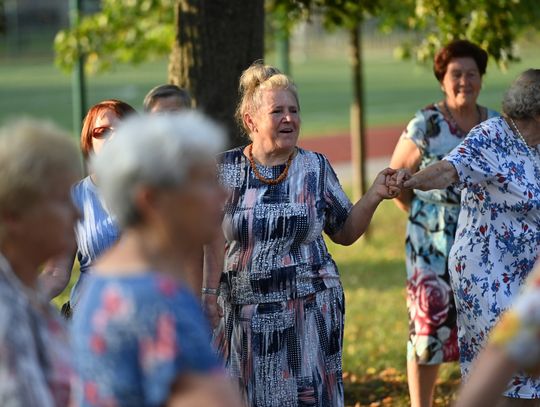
[{"x": 260, "y": 177}]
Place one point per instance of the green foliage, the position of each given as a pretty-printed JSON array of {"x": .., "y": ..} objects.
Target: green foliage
[
  {"x": 493, "y": 24},
  {"x": 335, "y": 13},
  {"x": 123, "y": 31}
]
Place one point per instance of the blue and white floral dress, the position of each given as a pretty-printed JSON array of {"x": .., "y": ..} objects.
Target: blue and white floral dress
[
  {"x": 430, "y": 234},
  {"x": 497, "y": 238}
]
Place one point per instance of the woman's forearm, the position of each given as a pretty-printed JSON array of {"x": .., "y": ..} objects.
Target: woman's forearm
[
  {"x": 214, "y": 254},
  {"x": 437, "y": 176},
  {"x": 358, "y": 220},
  {"x": 56, "y": 275},
  {"x": 403, "y": 201}
]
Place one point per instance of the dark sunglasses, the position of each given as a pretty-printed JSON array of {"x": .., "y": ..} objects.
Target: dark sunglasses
[{"x": 102, "y": 132}]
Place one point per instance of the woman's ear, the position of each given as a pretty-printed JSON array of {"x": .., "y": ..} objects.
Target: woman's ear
[{"x": 250, "y": 123}]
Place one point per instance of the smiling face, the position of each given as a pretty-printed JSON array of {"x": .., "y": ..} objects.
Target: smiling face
[
  {"x": 462, "y": 82},
  {"x": 276, "y": 123}
]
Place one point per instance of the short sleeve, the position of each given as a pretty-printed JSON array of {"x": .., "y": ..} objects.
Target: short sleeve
[
  {"x": 177, "y": 342},
  {"x": 338, "y": 205},
  {"x": 475, "y": 159},
  {"x": 416, "y": 131}
]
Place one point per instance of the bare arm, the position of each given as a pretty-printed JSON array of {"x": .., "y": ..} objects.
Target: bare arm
[
  {"x": 362, "y": 212},
  {"x": 492, "y": 372},
  {"x": 214, "y": 256},
  {"x": 56, "y": 275},
  {"x": 406, "y": 155},
  {"x": 437, "y": 176}
]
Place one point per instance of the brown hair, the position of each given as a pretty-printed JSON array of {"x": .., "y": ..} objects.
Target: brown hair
[
  {"x": 120, "y": 109},
  {"x": 459, "y": 49},
  {"x": 165, "y": 91},
  {"x": 254, "y": 79}
]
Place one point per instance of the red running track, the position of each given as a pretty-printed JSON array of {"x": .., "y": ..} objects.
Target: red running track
[{"x": 380, "y": 143}]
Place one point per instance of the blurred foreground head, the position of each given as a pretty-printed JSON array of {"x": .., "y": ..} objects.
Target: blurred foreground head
[
  {"x": 159, "y": 172},
  {"x": 38, "y": 166}
]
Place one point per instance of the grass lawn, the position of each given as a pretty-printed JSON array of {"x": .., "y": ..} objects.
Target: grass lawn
[
  {"x": 373, "y": 275},
  {"x": 394, "y": 89}
]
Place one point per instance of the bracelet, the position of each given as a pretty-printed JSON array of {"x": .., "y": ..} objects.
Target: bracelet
[{"x": 210, "y": 291}]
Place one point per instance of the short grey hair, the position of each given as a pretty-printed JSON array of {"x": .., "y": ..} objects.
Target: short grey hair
[
  {"x": 32, "y": 154},
  {"x": 522, "y": 99},
  {"x": 152, "y": 150}
]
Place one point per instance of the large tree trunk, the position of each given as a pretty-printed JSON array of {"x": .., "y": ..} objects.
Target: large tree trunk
[{"x": 215, "y": 41}]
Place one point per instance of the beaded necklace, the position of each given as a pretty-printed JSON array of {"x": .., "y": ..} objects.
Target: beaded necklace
[{"x": 260, "y": 177}]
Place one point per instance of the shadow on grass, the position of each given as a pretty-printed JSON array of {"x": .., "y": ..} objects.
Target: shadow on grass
[{"x": 389, "y": 388}]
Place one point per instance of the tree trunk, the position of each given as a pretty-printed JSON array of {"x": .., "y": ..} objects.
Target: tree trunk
[
  {"x": 215, "y": 41},
  {"x": 357, "y": 115}
]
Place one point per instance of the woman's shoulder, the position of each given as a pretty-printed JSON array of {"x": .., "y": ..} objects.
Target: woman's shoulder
[
  {"x": 490, "y": 113},
  {"x": 82, "y": 189},
  {"x": 312, "y": 160},
  {"x": 232, "y": 156},
  {"x": 133, "y": 293}
]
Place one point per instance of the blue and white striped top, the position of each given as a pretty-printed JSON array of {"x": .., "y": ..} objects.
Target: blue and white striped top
[{"x": 96, "y": 231}]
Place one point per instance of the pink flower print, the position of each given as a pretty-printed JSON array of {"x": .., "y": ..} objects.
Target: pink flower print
[
  {"x": 429, "y": 301},
  {"x": 167, "y": 286},
  {"x": 163, "y": 347},
  {"x": 98, "y": 344}
]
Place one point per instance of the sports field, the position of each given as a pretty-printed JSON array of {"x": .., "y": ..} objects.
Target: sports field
[{"x": 394, "y": 89}]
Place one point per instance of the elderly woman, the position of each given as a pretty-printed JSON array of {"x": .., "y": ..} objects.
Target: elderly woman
[
  {"x": 38, "y": 166},
  {"x": 140, "y": 332},
  {"x": 434, "y": 132},
  {"x": 282, "y": 331},
  {"x": 498, "y": 232},
  {"x": 96, "y": 230},
  {"x": 167, "y": 98}
]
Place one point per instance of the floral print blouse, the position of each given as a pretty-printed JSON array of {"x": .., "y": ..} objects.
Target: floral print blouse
[
  {"x": 35, "y": 357},
  {"x": 133, "y": 336},
  {"x": 498, "y": 235},
  {"x": 275, "y": 250}
]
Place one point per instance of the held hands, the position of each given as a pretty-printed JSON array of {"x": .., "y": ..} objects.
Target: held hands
[
  {"x": 390, "y": 183},
  {"x": 383, "y": 187},
  {"x": 402, "y": 179}
]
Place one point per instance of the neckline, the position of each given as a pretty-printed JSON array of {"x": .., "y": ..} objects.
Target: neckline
[{"x": 246, "y": 158}]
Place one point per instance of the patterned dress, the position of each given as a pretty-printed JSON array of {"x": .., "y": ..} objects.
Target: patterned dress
[
  {"x": 282, "y": 332},
  {"x": 430, "y": 234},
  {"x": 498, "y": 235},
  {"x": 35, "y": 357},
  {"x": 133, "y": 336},
  {"x": 96, "y": 231}
]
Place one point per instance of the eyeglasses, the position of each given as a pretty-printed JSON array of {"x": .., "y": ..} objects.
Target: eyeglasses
[{"x": 102, "y": 132}]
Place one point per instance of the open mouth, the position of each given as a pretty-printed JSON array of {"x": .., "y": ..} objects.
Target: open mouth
[{"x": 286, "y": 131}]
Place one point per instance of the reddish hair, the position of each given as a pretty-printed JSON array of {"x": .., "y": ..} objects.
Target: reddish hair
[
  {"x": 119, "y": 108},
  {"x": 459, "y": 49}
]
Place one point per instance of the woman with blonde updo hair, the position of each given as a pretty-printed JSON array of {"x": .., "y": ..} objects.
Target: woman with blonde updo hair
[{"x": 280, "y": 297}]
